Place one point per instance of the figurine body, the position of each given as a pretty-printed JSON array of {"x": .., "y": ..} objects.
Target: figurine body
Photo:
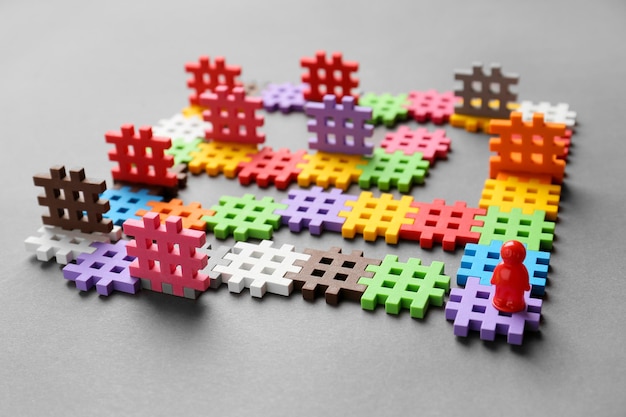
[{"x": 510, "y": 278}]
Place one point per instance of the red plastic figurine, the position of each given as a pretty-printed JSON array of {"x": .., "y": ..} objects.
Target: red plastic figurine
[{"x": 511, "y": 278}]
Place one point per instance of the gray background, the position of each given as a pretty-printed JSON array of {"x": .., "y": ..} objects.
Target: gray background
[{"x": 70, "y": 71}]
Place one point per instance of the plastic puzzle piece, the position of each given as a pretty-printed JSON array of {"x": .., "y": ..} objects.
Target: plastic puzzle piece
[
  {"x": 262, "y": 268},
  {"x": 432, "y": 145},
  {"x": 405, "y": 285},
  {"x": 245, "y": 217},
  {"x": 431, "y": 105},
  {"x": 106, "y": 268},
  {"x": 332, "y": 274},
  {"x": 193, "y": 111},
  {"x": 207, "y": 76},
  {"x": 66, "y": 245},
  {"x": 471, "y": 309},
  {"x": 552, "y": 113},
  {"x": 470, "y": 123},
  {"x": 329, "y": 76},
  {"x": 527, "y": 147},
  {"x": 327, "y": 169},
  {"x": 126, "y": 201},
  {"x": 373, "y": 217},
  {"x": 219, "y": 157},
  {"x": 268, "y": 166},
  {"x": 180, "y": 128},
  {"x": 386, "y": 108},
  {"x": 485, "y": 95},
  {"x": 181, "y": 150},
  {"x": 437, "y": 222},
  {"x": 480, "y": 260},
  {"x": 216, "y": 257},
  {"x": 530, "y": 229},
  {"x": 192, "y": 215},
  {"x": 528, "y": 193},
  {"x": 393, "y": 170},
  {"x": 73, "y": 201},
  {"x": 232, "y": 115},
  {"x": 315, "y": 210},
  {"x": 167, "y": 259},
  {"x": 339, "y": 128},
  {"x": 285, "y": 97},
  {"x": 141, "y": 157}
]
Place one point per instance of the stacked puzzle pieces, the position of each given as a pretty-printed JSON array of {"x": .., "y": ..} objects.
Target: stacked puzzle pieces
[{"x": 137, "y": 235}]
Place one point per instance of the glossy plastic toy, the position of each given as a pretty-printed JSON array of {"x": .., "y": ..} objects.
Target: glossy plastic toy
[{"x": 510, "y": 278}]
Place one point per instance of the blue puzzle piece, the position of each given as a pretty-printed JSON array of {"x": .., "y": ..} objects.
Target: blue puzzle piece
[{"x": 125, "y": 203}]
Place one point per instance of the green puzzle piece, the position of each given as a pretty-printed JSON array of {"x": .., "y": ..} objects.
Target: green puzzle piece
[
  {"x": 386, "y": 108},
  {"x": 181, "y": 150},
  {"x": 396, "y": 169}
]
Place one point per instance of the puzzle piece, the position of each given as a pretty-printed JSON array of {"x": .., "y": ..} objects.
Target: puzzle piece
[
  {"x": 262, "y": 268},
  {"x": 393, "y": 170},
  {"x": 216, "y": 257},
  {"x": 470, "y": 123},
  {"x": 436, "y": 222},
  {"x": 339, "y": 128},
  {"x": 192, "y": 215},
  {"x": 386, "y": 109},
  {"x": 528, "y": 193},
  {"x": 125, "y": 202},
  {"x": 219, "y": 157},
  {"x": 73, "y": 202},
  {"x": 480, "y": 260},
  {"x": 327, "y": 169},
  {"x": 527, "y": 147},
  {"x": 244, "y": 217},
  {"x": 181, "y": 150},
  {"x": 471, "y": 309},
  {"x": 329, "y": 76},
  {"x": 552, "y": 113},
  {"x": 185, "y": 129},
  {"x": 531, "y": 229},
  {"x": 106, "y": 268},
  {"x": 315, "y": 210},
  {"x": 268, "y": 166},
  {"x": 431, "y": 105},
  {"x": 285, "y": 97},
  {"x": 373, "y": 217},
  {"x": 405, "y": 285},
  {"x": 332, "y": 274},
  {"x": 207, "y": 76},
  {"x": 232, "y": 115},
  {"x": 166, "y": 257},
  {"x": 432, "y": 145},
  {"x": 141, "y": 157}
]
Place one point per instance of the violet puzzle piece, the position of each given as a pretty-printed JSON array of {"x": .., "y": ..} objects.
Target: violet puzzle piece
[{"x": 285, "y": 97}]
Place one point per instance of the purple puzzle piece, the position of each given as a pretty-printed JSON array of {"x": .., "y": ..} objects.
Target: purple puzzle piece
[
  {"x": 340, "y": 128},
  {"x": 285, "y": 97},
  {"x": 471, "y": 309},
  {"x": 106, "y": 268},
  {"x": 315, "y": 209}
]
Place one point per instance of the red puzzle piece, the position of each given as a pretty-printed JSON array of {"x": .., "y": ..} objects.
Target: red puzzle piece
[
  {"x": 267, "y": 167},
  {"x": 206, "y": 76},
  {"x": 431, "y": 105},
  {"x": 329, "y": 76}
]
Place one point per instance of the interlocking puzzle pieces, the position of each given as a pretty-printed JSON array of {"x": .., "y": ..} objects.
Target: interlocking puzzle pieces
[
  {"x": 285, "y": 97},
  {"x": 232, "y": 115},
  {"x": 192, "y": 215},
  {"x": 73, "y": 201},
  {"x": 552, "y": 113},
  {"x": 332, "y": 274},
  {"x": 219, "y": 157},
  {"x": 216, "y": 257},
  {"x": 107, "y": 268},
  {"x": 437, "y": 222},
  {"x": 329, "y": 76},
  {"x": 166, "y": 255},
  {"x": 528, "y": 193},
  {"x": 207, "y": 76},
  {"x": 480, "y": 260},
  {"x": 315, "y": 209},
  {"x": 244, "y": 217},
  {"x": 432, "y": 145},
  {"x": 387, "y": 109},
  {"x": 373, "y": 217},
  {"x": 262, "y": 268},
  {"x": 339, "y": 128},
  {"x": 268, "y": 166},
  {"x": 181, "y": 150},
  {"x": 405, "y": 285},
  {"x": 393, "y": 170},
  {"x": 527, "y": 147},
  {"x": 431, "y": 105},
  {"x": 328, "y": 169},
  {"x": 126, "y": 201},
  {"x": 185, "y": 129},
  {"x": 471, "y": 309}
]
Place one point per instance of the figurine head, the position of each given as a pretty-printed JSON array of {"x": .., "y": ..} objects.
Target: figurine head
[{"x": 513, "y": 252}]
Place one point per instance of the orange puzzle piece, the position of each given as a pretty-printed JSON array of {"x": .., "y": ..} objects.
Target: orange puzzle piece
[{"x": 191, "y": 214}]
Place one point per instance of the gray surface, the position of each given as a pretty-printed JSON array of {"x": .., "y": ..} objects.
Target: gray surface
[{"x": 71, "y": 71}]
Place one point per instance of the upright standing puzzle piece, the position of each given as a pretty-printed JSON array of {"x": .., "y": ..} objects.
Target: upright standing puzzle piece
[
  {"x": 386, "y": 109},
  {"x": 217, "y": 157},
  {"x": 285, "y": 97},
  {"x": 329, "y": 76},
  {"x": 327, "y": 169},
  {"x": 332, "y": 274},
  {"x": 471, "y": 309},
  {"x": 431, "y": 105},
  {"x": 107, "y": 268},
  {"x": 192, "y": 215},
  {"x": 125, "y": 202},
  {"x": 207, "y": 76},
  {"x": 552, "y": 113},
  {"x": 393, "y": 170},
  {"x": 266, "y": 167},
  {"x": 339, "y": 128},
  {"x": 432, "y": 145}
]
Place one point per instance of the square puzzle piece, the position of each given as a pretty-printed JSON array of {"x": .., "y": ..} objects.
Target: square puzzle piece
[
  {"x": 181, "y": 128},
  {"x": 552, "y": 113},
  {"x": 393, "y": 170},
  {"x": 216, "y": 257},
  {"x": 266, "y": 167},
  {"x": 125, "y": 202},
  {"x": 285, "y": 97},
  {"x": 217, "y": 157},
  {"x": 192, "y": 215},
  {"x": 432, "y": 145},
  {"x": 181, "y": 150},
  {"x": 329, "y": 76},
  {"x": 431, "y": 105},
  {"x": 386, "y": 108},
  {"x": 327, "y": 169}
]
